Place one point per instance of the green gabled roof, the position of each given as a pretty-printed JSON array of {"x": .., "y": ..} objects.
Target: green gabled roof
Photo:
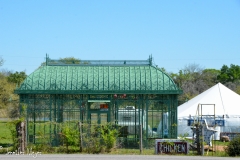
[{"x": 98, "y": 80}]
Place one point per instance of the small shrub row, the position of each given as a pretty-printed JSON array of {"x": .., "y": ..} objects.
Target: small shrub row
[{"x": 71, "y": 138}]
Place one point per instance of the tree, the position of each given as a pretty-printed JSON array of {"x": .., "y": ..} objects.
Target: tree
[
  {"x": 67, "y": 60},
  {"x": 6, "y": 92},
  {"x": 1, "y": 61},
  {"x": 193, "y": 80},
  {"x": 230, "y": 77},
  {"x": 229, "y": 74},
  {"x": 237, "y": 90},
  {"x": 210, "y": 76},
  {"x": 8, "y": 100},
  {"x": 70, "y": 60},
  {"x": 17, "y": 77},
  {"x": 187, "y": 79}
]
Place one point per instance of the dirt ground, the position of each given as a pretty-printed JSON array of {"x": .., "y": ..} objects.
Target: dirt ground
[
  {"x": 217, "y": 148},
  {"x": 220, "y": 148}
]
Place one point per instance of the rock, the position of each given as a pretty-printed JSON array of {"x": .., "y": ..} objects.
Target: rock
[{"x": 225, "y": 139}]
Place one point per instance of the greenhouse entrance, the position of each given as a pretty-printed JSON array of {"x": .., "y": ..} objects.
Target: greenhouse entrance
[
  {"x": 98, "y": 111},
  {"x": 125, "y": 94},
  {"x": 98, "y": 118}
]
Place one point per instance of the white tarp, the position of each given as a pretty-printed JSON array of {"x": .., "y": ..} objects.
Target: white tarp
[{"x": 226, "y": 103}]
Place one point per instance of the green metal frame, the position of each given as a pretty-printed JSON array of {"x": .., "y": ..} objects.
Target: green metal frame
[
  {"x": 148, "y": 111},
  {"x": 59, "y": 93}
]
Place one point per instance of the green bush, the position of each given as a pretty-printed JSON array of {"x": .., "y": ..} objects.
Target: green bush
[
  {"x": 89, "y": 138},
  {"x": 99, "y": 138},
  {"x": 233, "y": 148},
  {"x": 92, "y": 144},
  {"x": 12, "y": 125},
  {"x": 43, "y": 148},
  {"x": 95, "y": 138},
  {"x": 109, "y": 135},
  {"x": 3, "y": 150},
  {"x": 70, "y": 136},
  {"x": 61, "y": 149}
]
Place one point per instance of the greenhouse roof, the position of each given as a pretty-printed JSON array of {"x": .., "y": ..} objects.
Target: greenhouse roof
[{"x": 104, "y": 77}]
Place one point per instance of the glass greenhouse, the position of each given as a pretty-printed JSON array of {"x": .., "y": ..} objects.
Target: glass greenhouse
[{"x": 128, "y": 93}]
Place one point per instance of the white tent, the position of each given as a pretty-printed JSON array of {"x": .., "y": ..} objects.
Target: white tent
[{"x": 226, "y": 102}]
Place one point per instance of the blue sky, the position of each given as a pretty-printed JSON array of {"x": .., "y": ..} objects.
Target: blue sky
[{"x": 175, "y": 32}]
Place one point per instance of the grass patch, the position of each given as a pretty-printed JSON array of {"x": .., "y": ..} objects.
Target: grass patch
[
  {"x": 123, "y": 151},
  {"x": 5, "y": 134},
  {"x": 220, "y": 143},
  {"x": 217, "y": 154},
  {"x": 6, "y": 140}
]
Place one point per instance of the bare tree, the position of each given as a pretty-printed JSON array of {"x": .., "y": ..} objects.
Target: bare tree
[
  {"x": 1, "y": 61},
  {"x": 191, "y": 79}
]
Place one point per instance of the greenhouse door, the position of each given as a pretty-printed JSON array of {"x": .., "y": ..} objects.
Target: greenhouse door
[
  {"x": 98, "y": 117},
  {"x": 99, "y": 111}
]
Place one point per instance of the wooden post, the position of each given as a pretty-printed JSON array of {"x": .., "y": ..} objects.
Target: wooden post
[
  {"x": 80, "y": 137},
  {"x": 26, "y": 134},
  {"x": 21, "y": 135},
  {"x": 198, "y": 139},
  {"x": 202, "y": 129},
  {"x": 140, "y": 140}
]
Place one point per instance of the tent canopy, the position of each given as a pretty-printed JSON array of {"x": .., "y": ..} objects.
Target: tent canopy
[{"x": 225, "y": 100}]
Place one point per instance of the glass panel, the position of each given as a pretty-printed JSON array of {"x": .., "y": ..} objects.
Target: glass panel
[
  {"x": 103, "y": 118},
  {"x": 94, "y": 117},
  {"x": 95, "y": 105},
  {"x": 155, "y": 126},
  {"x": 99, "y": 105}
]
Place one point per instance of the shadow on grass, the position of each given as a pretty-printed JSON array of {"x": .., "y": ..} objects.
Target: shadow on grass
[{"x": 5, "y": 145}]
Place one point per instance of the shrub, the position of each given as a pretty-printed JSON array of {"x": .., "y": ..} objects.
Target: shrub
[
  {"x": 3, "y": 150},
  {"x": 12, "y": 125},
  {"x": 109, "y": 135},
  {"x": 99, "y": 138},
  {"x": 70, "y": 136},
  {"x": 233, "y": 148},
  {"x": 43, "y": 148},
  {"x": 91, "y": 138}
]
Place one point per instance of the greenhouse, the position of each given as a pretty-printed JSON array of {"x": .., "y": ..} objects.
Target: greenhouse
[{"x": 134, "y": 95}]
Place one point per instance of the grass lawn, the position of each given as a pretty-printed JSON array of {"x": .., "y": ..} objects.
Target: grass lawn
[
  {"x": 5, "y": 134},
  {"x": 6, "y": 139}
]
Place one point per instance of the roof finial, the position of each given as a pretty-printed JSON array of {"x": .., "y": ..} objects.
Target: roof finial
[
  {"x": 46, "y": 59},
  {"x": 150, "y": 60}
]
